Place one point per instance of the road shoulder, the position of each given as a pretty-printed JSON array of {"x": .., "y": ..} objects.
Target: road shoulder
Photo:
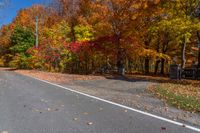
[{"x": 126, "y": 92}]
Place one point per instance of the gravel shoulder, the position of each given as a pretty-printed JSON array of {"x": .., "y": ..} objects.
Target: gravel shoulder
[{"x": 132, "y": 93}]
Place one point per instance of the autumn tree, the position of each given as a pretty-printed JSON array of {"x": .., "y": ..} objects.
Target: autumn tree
[
  {"x": 188, "y": 11},
  {"x": 26, "y": 17},
  {"x": 4, "y": 36},
  {"x": 120, "y": 18},
  {"x": 68, "y": 10},
  {"x": 150, "y": 16}
]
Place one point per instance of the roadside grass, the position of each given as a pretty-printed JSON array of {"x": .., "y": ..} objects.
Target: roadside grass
[{"x": 185, "y": 97}]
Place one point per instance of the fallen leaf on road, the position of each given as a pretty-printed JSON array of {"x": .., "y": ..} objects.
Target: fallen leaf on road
[
  {"x": 42, "y": 100},
  {"x": 100, "y": 108},
  {"x": 163, "y": 128},
  {"x": 126, "y": 111},
  {"x": 183, "y": 125},
  {"x": 89, "y": 123},
  {"x": 49, "y": 109},
  {"x": 138, "y": 95},
  {"x": 56, "y": 109},
  {"x": 35, "y": 110},
  {"x": 4, "y": 132},
  {"x": 75, "y": 119},
  {"x": 185, "y": 115},
  {"x": 85, "y": 113},
  {"x": 174, "y": 119}
]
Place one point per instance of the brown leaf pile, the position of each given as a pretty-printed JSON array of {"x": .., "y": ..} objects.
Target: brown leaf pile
[{"x": 57, "y": 77}]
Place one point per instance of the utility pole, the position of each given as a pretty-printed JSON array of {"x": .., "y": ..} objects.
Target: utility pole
[{"x": 36, "y": 33}]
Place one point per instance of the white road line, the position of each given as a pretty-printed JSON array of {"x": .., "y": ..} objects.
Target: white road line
[{"x": 122, "y": 106}]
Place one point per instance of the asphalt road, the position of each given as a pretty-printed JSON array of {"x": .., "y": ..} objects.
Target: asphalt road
[{"x": 28, "y": 105}]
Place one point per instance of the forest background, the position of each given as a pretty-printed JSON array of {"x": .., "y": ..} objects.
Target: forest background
[{"x": 92, "y": 36}]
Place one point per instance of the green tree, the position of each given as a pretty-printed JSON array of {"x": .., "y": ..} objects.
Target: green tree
[{"x": 21, "y": 40}]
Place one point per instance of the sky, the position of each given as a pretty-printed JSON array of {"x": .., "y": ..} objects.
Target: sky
[{"x": 8, "y": 13}]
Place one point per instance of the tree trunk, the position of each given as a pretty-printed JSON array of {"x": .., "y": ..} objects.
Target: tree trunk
[
  {"x": 146, "y": 65},
  {"x": 146, "y": 61},
  {"x": 183, "y": 60},
  {"x": 73, "y": 33},
  {"x": 156, "y": 66},
  {"x": 120, "y": 57},
  {"x": 198, "y": 36},
  {"x": 162, "y": 71},
  {"x": 158, "y": 60},
  {"x": 199, "y": 59},
  {"x": 129, "y": 66},
  {"x": 120, "y": 64}
]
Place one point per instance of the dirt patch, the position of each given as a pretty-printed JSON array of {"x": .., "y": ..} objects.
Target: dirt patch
[{"x": 57, "y": 77}]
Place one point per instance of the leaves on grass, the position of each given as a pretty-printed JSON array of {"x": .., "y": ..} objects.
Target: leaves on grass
[{"x": 182, "y": 96}]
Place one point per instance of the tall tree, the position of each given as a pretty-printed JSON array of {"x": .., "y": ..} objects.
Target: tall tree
[
  {"x": 119, "y": 17},
  {"x": 187, "y": 10},
  {"x": 68, "y": 9}
]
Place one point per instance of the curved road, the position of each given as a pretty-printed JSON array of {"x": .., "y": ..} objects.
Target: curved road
[{"x": 28, "y": 105}]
